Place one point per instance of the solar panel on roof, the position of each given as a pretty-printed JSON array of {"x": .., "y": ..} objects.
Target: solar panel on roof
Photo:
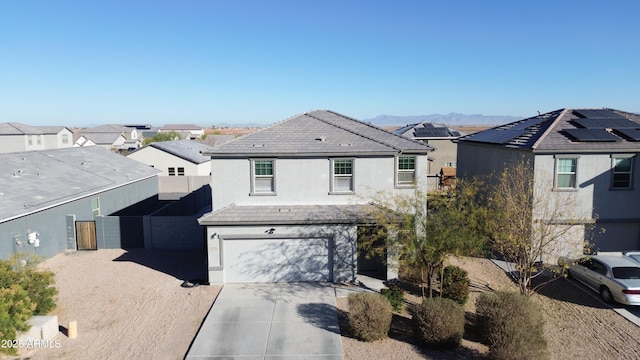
[
  {"x": 631, "y": 134},
  {"x": 591, "y": 135},
  {"x": 431, "y": 132},
  {"x": 606, "y": 123},
  {"x": 602, "y": 113},
  {"x": 496, "y": 136},
  {"x": 528, "y": 123}
]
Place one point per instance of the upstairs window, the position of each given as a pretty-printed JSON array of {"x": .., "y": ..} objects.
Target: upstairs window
[
  {"x": 180, "y": 171},
  {"x": 172, "y": 171},
  {"x": 65, "y": 138},
  {"x": 621, "y": 172},
  {"x": 95, "y": 207},
  {"x": 342, "y": 176},
  {"x": 263, "y": 179},
  {"x": 406, "y": 171},
  {"x": 566, "y": 173}
]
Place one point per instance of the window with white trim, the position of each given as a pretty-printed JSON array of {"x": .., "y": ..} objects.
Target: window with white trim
[
  {"x": 342, "y": 175},
  {"x": 172, "y": 171},
  {"x": 566, "y": 170},
  {"x": 263, "y": 177},
  {"x": 621, "y": 168},
  {"x": 180, "y": 171},
  {"x": 406, "y": 171},
  {"x": 95, "y": 207}
]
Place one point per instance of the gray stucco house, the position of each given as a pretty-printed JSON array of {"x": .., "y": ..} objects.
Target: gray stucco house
[
  {"x": 443, "y": 140},
  {"x": 587, "y": 158},
  {"x": 288, "y": 200},
  {"x": 47, "y": 197}
]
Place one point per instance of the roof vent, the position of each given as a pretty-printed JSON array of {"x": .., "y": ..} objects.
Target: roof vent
[
  {"x": 344, "y": 144},
  {"x": 321, "y": 139},
  {"x": 258, "y": 145}
]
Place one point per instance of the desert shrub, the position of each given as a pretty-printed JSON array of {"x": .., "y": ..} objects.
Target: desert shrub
[
  {"x": 438, "y": 323},
  {"x": 395, "y": 297},
  {"x": 370, "y": 316},
  {"x": 512, "y": 326},
  {"x": 455, "y": 284},
  {"x": 38, "y": 284},
  {"x": 15, "y": 310}
]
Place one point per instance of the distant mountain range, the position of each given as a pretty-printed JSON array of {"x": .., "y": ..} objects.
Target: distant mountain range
[{"x": 451, "y": 119}]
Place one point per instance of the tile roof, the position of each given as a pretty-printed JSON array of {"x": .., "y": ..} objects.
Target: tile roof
[
  {"x": 190, "y": 150},
  {"x": 35, "y": 180},
  {"x": 427, "y": 130},
  {"x": 319, "y": 132},
  {"x": 12, "y": 128},
  {"x": 178, "y": 127},
  {"x": 546, "y": 132},
  {"x": 52, "y": 129},
  {"x": 288, "y": 214}
]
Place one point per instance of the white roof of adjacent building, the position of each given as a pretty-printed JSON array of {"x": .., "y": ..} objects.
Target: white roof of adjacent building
[
  {"x": 36, "y": 180},
  {"x": 189, "y": 150}
]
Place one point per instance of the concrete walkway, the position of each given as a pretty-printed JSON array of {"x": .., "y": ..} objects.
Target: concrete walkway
[{"x": 270, "y": 321}]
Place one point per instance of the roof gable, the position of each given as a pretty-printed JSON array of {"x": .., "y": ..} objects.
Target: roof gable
[{"x": 319, "y": 132}]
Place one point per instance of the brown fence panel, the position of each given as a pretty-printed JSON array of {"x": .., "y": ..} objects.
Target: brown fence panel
[{"x": 86, "y": 235}]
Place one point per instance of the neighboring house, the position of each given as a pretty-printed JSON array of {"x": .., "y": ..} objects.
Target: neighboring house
[
  {"x": 586, "y": 157},
  {"x": 290, "y": 200},
  {"x": 16, "y": 137},
  {"x": 51, "y": 200},
  {"x": 109, "y": 141},
  {"x": 186, "y": 131},
  {"x": 184, "y": 168},
  {"x": 112, "y": 137},
  {"x": 443, "y": 140},
  {"x": 57, "y": 137}
]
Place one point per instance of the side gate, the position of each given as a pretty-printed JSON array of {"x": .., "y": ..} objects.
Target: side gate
[{"x": 86, "y": 235}]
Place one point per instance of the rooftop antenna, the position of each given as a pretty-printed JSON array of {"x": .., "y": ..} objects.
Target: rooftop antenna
[{"x": 539, "y": 112}]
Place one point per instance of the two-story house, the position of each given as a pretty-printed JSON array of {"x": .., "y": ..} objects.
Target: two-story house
[
  {"x": 442, "y": 168},
  {"x": 583, "y": 158},
  {"x": 17, "y": 137},
  {"x": 57, "y": 137},
  {"x": 288, "y": 200}
]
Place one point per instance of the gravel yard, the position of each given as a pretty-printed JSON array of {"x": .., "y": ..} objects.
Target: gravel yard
[{"x": 130, "y": 304}]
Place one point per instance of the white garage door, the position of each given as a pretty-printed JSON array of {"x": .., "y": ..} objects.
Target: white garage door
[{"x": 277, "y": 260}]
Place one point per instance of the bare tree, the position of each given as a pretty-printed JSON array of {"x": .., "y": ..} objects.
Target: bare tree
[{"x": 530, "y": 225}]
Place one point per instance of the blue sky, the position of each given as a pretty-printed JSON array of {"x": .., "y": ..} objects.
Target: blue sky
[{"x": 80, "y": 63}]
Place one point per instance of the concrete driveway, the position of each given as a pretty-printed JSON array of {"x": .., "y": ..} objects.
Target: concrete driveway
[{"x": 270, "y": 321}]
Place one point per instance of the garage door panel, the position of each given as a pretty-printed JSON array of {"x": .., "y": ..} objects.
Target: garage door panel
[{"x": 277, "y": 260}]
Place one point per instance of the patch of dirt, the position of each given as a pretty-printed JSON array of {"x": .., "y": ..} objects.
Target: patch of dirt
[
  {"x": 577, "y": 325},
  {"x": 127, "y": 304}
]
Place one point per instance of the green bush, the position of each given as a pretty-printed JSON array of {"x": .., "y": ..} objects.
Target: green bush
[
  {"x": 455, "y": 284},
  {"x": 39, "y": 285},
  {"x": 24, "y": 291},
  {"x": 438, "y": 323},
  {"x": 395, "y": 296},
  {"x": 370, "y": 316},
  {"x": 512, "y": 326},
  {"x": 15, "y": 310}
]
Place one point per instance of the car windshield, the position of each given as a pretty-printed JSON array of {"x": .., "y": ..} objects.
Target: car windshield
[
  {"x": 635, "y": 257},
  {"x": 626, "y": 272}
]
